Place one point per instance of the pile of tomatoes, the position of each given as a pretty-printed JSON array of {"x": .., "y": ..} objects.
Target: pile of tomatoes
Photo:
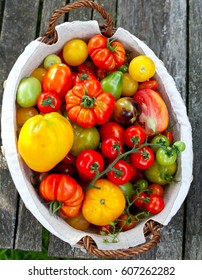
[{"x": 93, "y": 128}]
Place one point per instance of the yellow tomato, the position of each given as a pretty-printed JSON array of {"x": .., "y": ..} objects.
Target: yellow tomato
[
  {"x": 39, "y": 73},
  {"x": 45, "y": 140},
  {"x": 103, "y": 204},
  {"x": 75, "y": 52},
  {"x": 141, "y": 68},
  {"x": 78, "y": 222},
  {"x": 130, "y": 86},
  {"x": 23, "y": 114}
]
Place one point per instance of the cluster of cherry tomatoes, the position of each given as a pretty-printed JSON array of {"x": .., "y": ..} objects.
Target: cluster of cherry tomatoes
[{"x": 122, "y": 154}]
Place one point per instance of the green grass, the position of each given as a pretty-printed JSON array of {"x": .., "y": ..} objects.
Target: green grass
[{"x": 9, "y": 254}]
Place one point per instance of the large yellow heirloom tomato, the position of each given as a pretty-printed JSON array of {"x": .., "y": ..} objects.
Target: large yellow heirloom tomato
[
  {"x": 45, "y": 140},
  {"x": 104, "y": 204}
]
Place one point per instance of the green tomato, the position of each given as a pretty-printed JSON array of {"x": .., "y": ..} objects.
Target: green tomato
[
  {"x": 159, "y": 139},
  {"x": 179, "y": 146},
  {"x": 28, "y": 92},
  {"x": 141, "y": 184},
  {"x": 166, "y": 156},
  {"x": 50, "y": 60},
  {"x": 127, "y": 190},
  {"x": 159, "y": 174},
  {"x": 84, "y": 138}
]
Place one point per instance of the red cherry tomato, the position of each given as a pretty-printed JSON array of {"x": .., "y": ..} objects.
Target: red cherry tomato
[
  {"x": 139, "y": 200},
  {"x": 134, "y": 135},
  {"x": 110, "y": 147},
  {"x": 121, "y": 173},
  {"x": 143, "y": 159},
  {"x": 155, "y": 205},
  {"x": 126, "y": 222},
  {"x": 152, "y": 84},
  {"x": 156, "y": 189},
  {"x": 87, "y": 162},
  {"x": 112, "y": 129},
  {"x": 48, "y": 102}
]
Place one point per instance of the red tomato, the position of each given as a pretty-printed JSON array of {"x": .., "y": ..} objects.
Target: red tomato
[
  {"x": 139, "y": 200},
  {"x": 85, "y": 69},
  {"x": 134, "y": 135},
  {"x": 69, "y": 159},
  {"x": 126, "y": 222},
  {"x": 64, "y": 193},
  {"x": 88, "y": 163},
  {"x": 152, "y": 84},
  {"x": 48, "y": 102},
  {"x": 110, "y": 147},
  {"x": 155, "y": 205},
  {"x": 87, "y": 105},
  {"x": 104, "y": 230},
  {"x": 143, "y": 159},
  {"x": 58, "y": 78},
  {"x": 83, "y": 78},
  {"x": 121, "y": 173},
  {"x": 156, "y": 189},
  {"x": 104, "y": 54},
  {"x": 112, "y": 129},
  {"x": 154, "y": 117},
  {"x": 64, "y": 168},
  {"x": 169, "y": 135}
]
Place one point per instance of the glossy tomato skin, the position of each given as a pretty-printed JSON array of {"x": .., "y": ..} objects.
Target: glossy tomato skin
[
  {"x": 78, "y": 222},
  {"x": 48, "y": 102},
  {"x": 166, "y": 156},
  {"x": 155, "y": 205},
  {"x": 112, "y": 129},
  {"x": 106, "y": 55},
  {"x": 87, "y": 105},
  {"x": 143, "y": 159},
  {"x": 63, "y": 189},
  {"x": 126, "y": 222},
  {"x": 152, "y": 84},
  {"x": 136, "y": 133},
  {"x": 122, "y": 174},
  {"x": 141, "y": 68},
  {"x": 87, "y": 162},
  {"x": 139, "y": 200},
  {"x": 154, "y": 117},
  {"x": 103, "y": 204},
  {"x": 23, "y": 114},
  {"x": 155, "y": 189},
  {"x": 111, "y": 147},
  {"x": 58, "y": 78}
]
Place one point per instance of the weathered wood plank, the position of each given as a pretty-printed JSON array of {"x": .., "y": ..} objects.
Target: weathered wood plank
[
  {"x": 14, "y": 37},
  {"x": 193, "y": 237},
  {"x": 162, "y": 26}
]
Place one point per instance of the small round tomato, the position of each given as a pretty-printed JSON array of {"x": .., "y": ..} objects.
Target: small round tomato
[
  {"x": 69, "y": 159},
  {"x": 58, "y": 78},
  {"x": 155, "y": 189},
  {"x": 50, "y": 60},
  {"x": 65, "y": 168},
  {"x": 75, "y": 52},
  {"x": 160, "y": 174},
  {"x": 130, "y": 86},
  {"x": 111, "y": 147},
  {"x": 152, "y": 84},
  {"x": 159, "y": 139},
  {"x": 78, "y": 222},
  {"x": 141, "y": 184},
  {"x": 104, "y": 204},
  {"x": 166, "y": 156},
  {"x": 28, "y": 91},
  {"x": 111, "y": 129},
  {"x": 88, "y": 163},
  {"x": 179, "y": 146},
  {"x": 155, "y": 204},
  {"x": 48, "y": 102},
  {"x": 142, "y": 159},
  {"x": 127, "y": 190},
  {"x": 83, "y": 78},
  {"x": 121, "y": 172},
  {"x": 134, "y": 135},
  {"x": 126, "y": 222},
  {"x": 139, "y": 200},
  {"x": 39, "y": 73},
  {"x": 141, "y": 68},
  {"x": 169, "y": 135},
  {"x": 23, "y": 114}
]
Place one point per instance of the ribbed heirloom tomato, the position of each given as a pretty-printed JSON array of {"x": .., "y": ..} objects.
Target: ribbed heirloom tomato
[
  {"x": 64, "y": 193},
  {"x": 103, "y": 204}
]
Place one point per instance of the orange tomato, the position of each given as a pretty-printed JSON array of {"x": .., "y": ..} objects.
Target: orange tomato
[{"x": 103, "y": 204}]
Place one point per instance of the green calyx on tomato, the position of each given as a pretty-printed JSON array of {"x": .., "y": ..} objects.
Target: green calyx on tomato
[
  {"x": 113, "y": 84},
  {"x": 166, "y": 156}
]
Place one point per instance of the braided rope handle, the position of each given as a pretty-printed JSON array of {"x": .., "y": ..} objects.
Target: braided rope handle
[
  {"x": 51, "y": 36},
  {"x": 151, "y": 231}
]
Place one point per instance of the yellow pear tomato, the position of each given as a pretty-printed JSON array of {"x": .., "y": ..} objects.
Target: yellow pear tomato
[
  {"x": 103, "y": 204},
  {"x": 45, "y": 140}
]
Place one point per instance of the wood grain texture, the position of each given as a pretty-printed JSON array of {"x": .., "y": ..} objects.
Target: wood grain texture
[
  {"x": 14, "y": 37},
  {"x": 193, "y": 234}
]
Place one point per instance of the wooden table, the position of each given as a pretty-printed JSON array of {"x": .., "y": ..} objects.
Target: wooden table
[{"x": 173, "y": 30}]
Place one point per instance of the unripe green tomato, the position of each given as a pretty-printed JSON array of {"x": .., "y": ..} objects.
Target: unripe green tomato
[
  {"x": 50, "y": 60},
  {"x": 28, "y": 91}
]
